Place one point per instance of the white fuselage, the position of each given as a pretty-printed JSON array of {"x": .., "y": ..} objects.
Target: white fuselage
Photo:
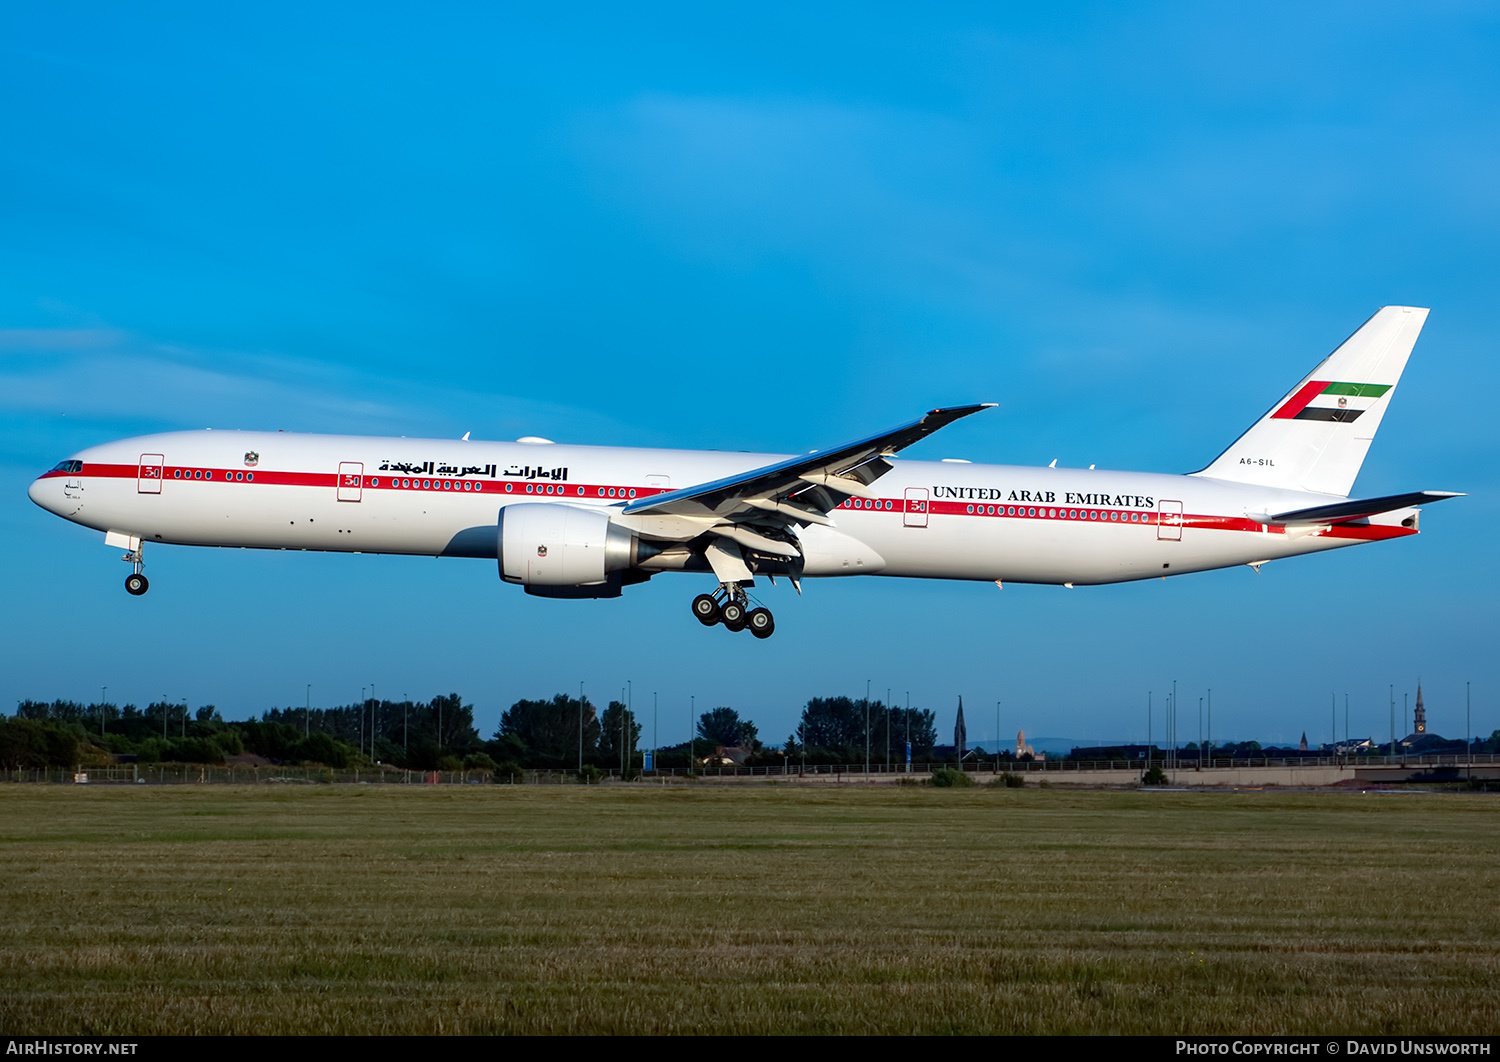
[{"x": 437, "y": 497}]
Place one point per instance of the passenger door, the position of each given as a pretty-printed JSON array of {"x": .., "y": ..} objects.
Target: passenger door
[
  {"x": 1169, "y": 521},
  {"x": 351, "y": 480},
  {"x": 149, "y": 474},
  {"x": 916, "y": 507}
]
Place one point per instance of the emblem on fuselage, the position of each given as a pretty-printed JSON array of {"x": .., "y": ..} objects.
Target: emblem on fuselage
[
  {"x": 541, "y": 551},
  {"x": 252, "y": 458}
]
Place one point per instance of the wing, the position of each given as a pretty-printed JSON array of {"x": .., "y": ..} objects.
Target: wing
[{"x": 755, "y": 511}]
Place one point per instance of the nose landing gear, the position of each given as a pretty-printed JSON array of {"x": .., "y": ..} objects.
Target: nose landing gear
[
  {"x": 136, "y": 584},
  {"x": 729, "y": 606}
]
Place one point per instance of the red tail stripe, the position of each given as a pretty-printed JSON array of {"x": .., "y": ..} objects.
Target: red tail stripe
[{"x": 1298, "y": 402}]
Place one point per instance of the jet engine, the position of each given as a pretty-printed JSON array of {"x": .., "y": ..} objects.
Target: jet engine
[{"x": 564, "y": 550}]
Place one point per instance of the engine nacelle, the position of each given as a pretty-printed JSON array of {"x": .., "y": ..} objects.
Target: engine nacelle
[{"x": 543, "y": 544}]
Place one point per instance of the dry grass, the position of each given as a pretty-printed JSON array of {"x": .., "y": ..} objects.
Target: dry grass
[{"x": 740, "y": 910}]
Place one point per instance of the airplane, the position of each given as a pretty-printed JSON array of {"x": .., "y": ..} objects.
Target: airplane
[{"x": 566, "y": 521}]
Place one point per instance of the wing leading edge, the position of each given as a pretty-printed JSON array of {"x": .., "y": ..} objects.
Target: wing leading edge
[{"x": 800, "y": 489}]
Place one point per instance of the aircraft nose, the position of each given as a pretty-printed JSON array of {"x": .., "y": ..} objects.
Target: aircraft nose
[{"x": 46, "y": 492}]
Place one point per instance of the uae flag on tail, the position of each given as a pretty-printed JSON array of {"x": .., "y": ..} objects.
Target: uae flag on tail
[{"x": 1327, "y": 400}]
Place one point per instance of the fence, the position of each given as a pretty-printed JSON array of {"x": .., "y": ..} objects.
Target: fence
[
  {"x": 192, "y": 774},
  {"x": 195, "y": 774}
]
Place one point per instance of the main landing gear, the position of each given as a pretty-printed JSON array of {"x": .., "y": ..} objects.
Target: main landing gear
[
  {"x": 729, "y": 606},
  {"x": 135, "y": 583}
]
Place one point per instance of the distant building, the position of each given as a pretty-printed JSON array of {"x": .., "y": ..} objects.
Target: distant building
[
  {"x": 960, "y": 733},
  {"x": 1422, "y": 740},
  {"x": 1023, "y": 749}
]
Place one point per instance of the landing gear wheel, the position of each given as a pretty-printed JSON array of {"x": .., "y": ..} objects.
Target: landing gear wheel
[
  {"x": 734, "y": 615},
  {"x": 136, "y": 584},
  {"x": 706, "y": 609},
  {"x": 760, "y": 622}
]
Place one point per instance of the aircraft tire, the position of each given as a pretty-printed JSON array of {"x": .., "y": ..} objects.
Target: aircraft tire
[
  {"x": 760, "y": 622},
  {"x": 136, "y": 584},
  {"x": 734, "y": 616},
  {"x": 706, "y": 609}
]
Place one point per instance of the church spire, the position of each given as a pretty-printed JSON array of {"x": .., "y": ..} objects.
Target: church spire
[
  {"x": 1420, "y": 717},
  {"x": 960, "y": 734}
]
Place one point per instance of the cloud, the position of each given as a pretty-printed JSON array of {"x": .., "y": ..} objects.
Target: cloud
[
  {"x": 115, "y": 377},
  {"x": 47, "y": 340}
]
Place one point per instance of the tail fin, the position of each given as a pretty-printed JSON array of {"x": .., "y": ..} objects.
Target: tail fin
[{"x": 1316, "y": 437}]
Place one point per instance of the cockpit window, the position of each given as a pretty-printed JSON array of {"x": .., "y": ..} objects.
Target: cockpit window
[{"x": 68, "y": 466}]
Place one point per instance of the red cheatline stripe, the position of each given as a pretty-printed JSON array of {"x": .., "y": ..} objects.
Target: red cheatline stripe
[
  {"x": 592, "y": 492},
  {"x": 1298, "y": 402}
]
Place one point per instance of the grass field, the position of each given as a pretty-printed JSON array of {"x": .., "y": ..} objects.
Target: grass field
[{"x": 713, "y": 910}]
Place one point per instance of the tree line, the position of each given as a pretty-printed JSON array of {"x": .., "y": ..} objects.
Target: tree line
[{"x": 557, "y": 733}]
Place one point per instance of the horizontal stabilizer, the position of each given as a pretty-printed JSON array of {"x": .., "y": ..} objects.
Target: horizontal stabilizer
[{"x": 1341, "y": 512}]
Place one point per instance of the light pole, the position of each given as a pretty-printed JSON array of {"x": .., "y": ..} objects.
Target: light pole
[
  {"x": 997, "y": 737},
  {"x": 102, "y": 691},
  {"x": 373, "y": 703},
  {"x": 307, "y": 714},
  {"x": 1210, "y": 727},
  {"x": 692, "y": 743},
  {"x": 908, "y": 731},
  {"x": 887, "y": 710},
  {"x": 580, "y": 730},
  {"x": 867, "y": 730},
  {"x": 655, "y": 747}
]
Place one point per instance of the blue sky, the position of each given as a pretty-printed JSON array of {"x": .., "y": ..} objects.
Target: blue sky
[{"x": 762, "y": 228}]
